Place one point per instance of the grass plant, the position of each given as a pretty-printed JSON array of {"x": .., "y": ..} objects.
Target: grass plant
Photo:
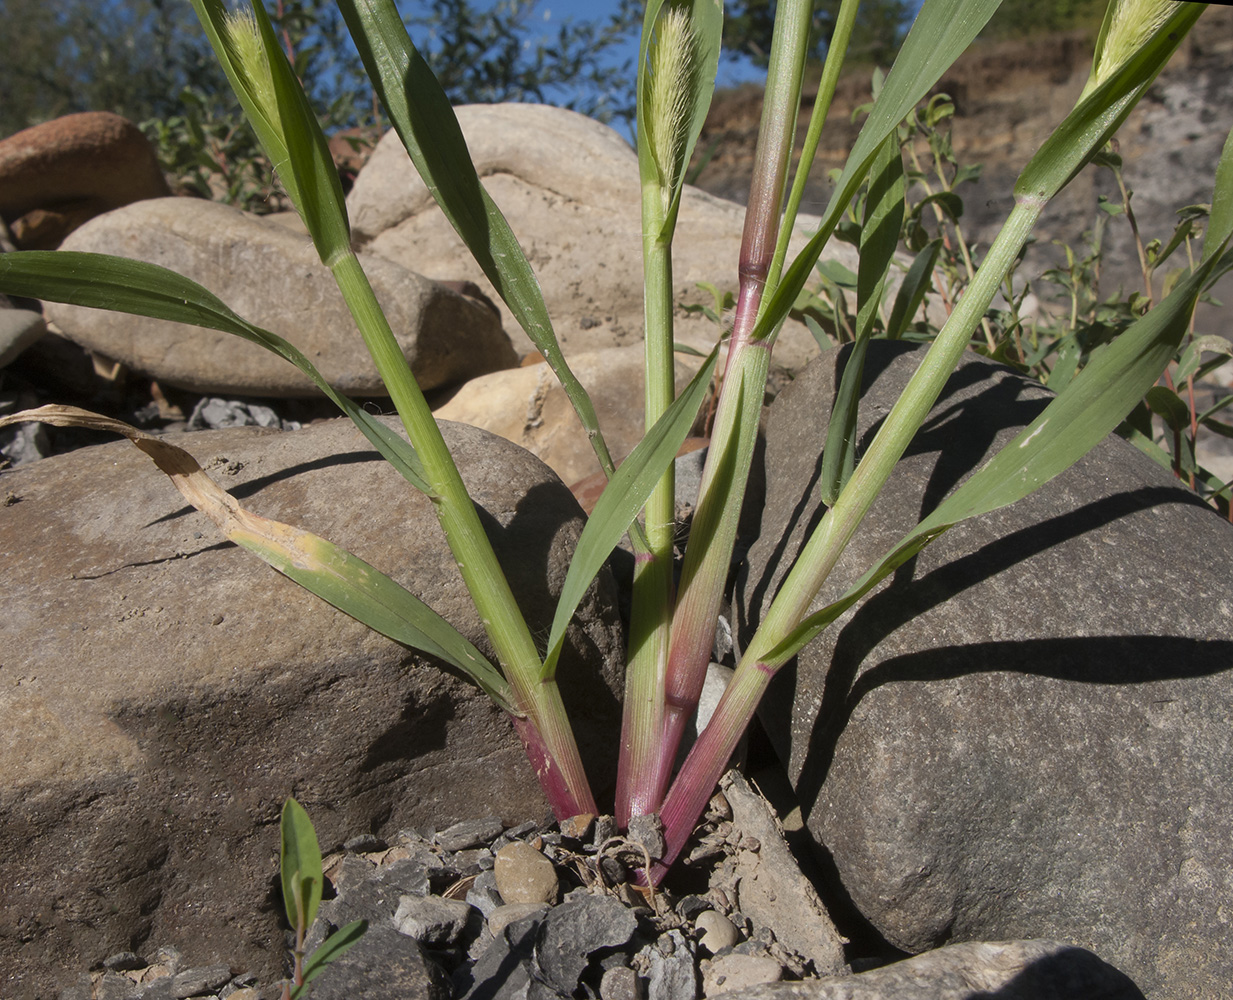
[
  {"x": 673, "y": 624},
  {"x": 303, "y": 881}
]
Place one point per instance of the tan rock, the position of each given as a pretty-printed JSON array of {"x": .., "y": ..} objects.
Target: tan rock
[
  {"x": 272, "y": 276},
  {"x": 529, "y": 407},
  {"x": 569, "y": 188},
  {"x": 71, "y": 169},
  {"x": 524, "y": 875}
]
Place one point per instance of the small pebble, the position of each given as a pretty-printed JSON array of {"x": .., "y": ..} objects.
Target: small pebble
[
  {"x": 470, "y": 833},
  {"x": 715, "y": 931},
  {"x": 577, "y": 827},
  {"x": 431, "y": 920},
  {"x": 483, "y": 894},
  {"x": 365, "y": 843},
  {"x": 114, "y": 986},
  {"x": 620, "y": 984},
  {"x": 649, "y": 832},
  {"x": 605, "y": 828},
  {"x": 124, "y": 961},
  {"x": 198, "y": 982},
  {"x": 719, "y": 806},
  {"x": 524, "y": 875}
]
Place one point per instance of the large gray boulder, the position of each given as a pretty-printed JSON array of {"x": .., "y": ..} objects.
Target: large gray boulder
[
  {"x": 569, "y": 188},
  {"x": 271, "y": 275},
  {"x": 164, "y": 691},
  {"x": 1026, "y": 732}
]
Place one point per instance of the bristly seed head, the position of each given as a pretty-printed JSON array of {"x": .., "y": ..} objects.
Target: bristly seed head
[
  {"x": 243, "y": 40},
  {"x": 1132, "y": 23},
  {"x": 674, "y": 63}
]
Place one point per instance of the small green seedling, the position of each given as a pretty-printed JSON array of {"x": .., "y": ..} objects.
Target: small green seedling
[{"x": 302, "y": 878}]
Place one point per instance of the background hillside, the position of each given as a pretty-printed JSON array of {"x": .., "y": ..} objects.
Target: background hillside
[{"x": 1008, "y": 95}]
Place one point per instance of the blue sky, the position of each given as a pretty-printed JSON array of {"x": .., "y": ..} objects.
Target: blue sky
[{"x": 554, "y": 12}]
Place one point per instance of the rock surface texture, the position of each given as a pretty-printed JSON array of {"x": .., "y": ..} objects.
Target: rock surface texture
[
  {"x": 569, "y": 188},
  {"x": 272, "y": 277},
  {"x": 57, "y": 175},
  {"x": 163, "y": 692},
  {"x": 1025, "y": 734}
]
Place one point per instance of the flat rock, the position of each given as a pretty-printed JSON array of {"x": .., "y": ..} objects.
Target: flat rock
[
  {"x": 528, "y": 406},
  {"x": 164, "y": 691},
  {"x": 57, "y": 175},
  {"x": 669, "y": 968},
  {"x": 271, "y": 276},
  {"x": 432, "y": 920},
  {"x": 771, "y": 891},
  {"x": 732, "y": 973},
  {"x": 576, "y": 930},
  {"x": 1025, "y": 733},
  {"x": 1009, "y": 970},
  {"x": 569, "y": 188}
]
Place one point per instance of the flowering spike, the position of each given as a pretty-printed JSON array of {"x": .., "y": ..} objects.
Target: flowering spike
[
  {"x": 674, "y": 63},
  {"x": 1130, "y": 24}
]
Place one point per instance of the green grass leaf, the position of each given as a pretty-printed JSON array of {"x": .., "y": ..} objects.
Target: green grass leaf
[
  {"x": 621, "y": 500},
  {"x": 1095, "y": 403},
  {"x": 911, "y": 294},
  {"x": 299, "y": 866},
  {"x": 325, "y": 569},
  {"x": 942, "y": 31},
  {"x": 1097, "y": 116},
  {"x": 366, "y": 594},
  {"x": 884, "y": 210},
  {"x": 421, "y": 114},
  {"x": 333, "y": 947},
  {"x": 1220, "y": 221},
  {"x": 284, "y": 122},
  {"x": 101, "y": 281}
]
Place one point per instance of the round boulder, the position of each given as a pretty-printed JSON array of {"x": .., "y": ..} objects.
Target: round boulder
[
  {"x": 1025, "y": 732},
  {"x": 271, "y": 275},
  {"x": 58, "y": 175}
]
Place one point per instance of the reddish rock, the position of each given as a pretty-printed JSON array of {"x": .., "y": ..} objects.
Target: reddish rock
[{"x": 55, "y": 176}]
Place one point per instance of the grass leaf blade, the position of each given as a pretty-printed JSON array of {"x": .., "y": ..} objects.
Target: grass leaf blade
[
  {"x": 621, "y": 500},
  {"x": 421, "y": 114},
  {"x": 942, "y": 31},
  {"x": 912, "y": 292},
  {"x": 884, "y": 209},
  {"x": 332, "y": 573},
  {"x": 1094, "y": 404},
  {"x": 1101, "y": 112},
  {"x": 101, "y": 281},
  {"x": 333, "y": 947},
  {"x": 299, "y": 866},
  {"x": 1220, "y": 222}
]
